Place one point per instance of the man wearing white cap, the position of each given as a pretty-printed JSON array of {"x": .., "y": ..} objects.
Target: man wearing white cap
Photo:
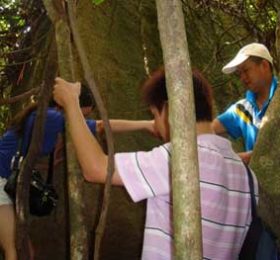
[{"x": 253, "y": 65}]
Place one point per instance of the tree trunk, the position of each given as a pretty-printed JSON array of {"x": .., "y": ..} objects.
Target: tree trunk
[
  {"x": 185, "y": 176},
  {"x": 24, "y": 177},
  {"x": 89, "y": 76},
  {"x": 266, "y": 164},
  {"x": 265, "y": 160},
  {"x": 75, "y": 181}
]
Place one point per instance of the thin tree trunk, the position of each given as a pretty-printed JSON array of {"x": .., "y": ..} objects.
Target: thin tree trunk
[
  {"x": 14, "y": 99},
  {"x": 104, "y": 115},
  {"x": 185, "y": 176},
  {"x": 74, "y": 178},
  {"x": 23, "y": 185},
  {"x": 78, "y": 229}
]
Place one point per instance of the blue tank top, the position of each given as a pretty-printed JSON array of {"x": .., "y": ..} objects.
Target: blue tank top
[{"x": 54, "y": 124}]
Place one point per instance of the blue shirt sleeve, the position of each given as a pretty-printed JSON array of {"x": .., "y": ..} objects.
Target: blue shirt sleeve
[
  {"x": 91, "y": 125},
  {"x": 8, "y": 148},
  {"x": 230, "y": 121},
  {"x": 54, "y": 124}
]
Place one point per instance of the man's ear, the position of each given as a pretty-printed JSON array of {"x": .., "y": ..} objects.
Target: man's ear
[{"x": 266, "y": 64}]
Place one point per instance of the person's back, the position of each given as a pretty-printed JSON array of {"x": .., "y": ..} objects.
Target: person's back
[
  {"x": 225, "y": 198},
  {"x": 54, "y": 125}
]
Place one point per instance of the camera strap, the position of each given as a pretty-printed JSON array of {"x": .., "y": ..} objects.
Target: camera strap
[{"x": 50, "y": 168}]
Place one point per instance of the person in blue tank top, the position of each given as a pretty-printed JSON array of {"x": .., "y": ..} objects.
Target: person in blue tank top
[
  {"x": 21, "y": 127},
  {"x": 253, "y": 65}
]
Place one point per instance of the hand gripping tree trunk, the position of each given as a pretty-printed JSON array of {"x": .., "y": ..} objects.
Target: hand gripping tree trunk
[{"x": 185, "y": 175}]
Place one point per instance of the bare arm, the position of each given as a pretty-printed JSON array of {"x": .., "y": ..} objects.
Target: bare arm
[
  {"x": 120, "y": 125},
  {"x": 92, "y": 159},
  {"x": 245, "y": 156}
]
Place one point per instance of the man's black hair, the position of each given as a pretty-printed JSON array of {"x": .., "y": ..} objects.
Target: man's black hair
[
  {"x": 86, "y": 97},
  {"x": 258, "y": 60}
]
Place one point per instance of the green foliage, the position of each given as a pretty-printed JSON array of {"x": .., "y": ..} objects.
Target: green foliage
[
  {"x": 11, "y": 23},
  {"x": 13, "y": 16},
  {"x": 216, "y": 30},
  {"x": 265, "y": 21},
  {"x": 10, "y": 15},
  {"x": 4, "y": 111},
  {"x": 97, "y": 2}
]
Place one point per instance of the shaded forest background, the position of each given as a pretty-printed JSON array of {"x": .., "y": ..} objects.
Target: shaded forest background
[{"x": 122, "y": 43}]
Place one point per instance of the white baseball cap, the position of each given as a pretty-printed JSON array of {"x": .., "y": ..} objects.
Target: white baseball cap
[{"x": 252, "y": 49}]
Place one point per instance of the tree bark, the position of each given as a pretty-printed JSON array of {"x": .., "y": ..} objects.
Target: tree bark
[
  {"x": 108, "y": 132},
  {"x": 277, "y": 40},
  {"x": 265, "y": 159},
  {"x": 185, "y": 176},
  {"x": 266, "y": 165},
  {"x": 23, "y": 183},
  {"x": 25, "y": 95},
  {"x": 78, "y": 229}
]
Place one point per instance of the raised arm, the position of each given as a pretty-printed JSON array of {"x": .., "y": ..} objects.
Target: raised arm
[{"x": 90, "y": 154}]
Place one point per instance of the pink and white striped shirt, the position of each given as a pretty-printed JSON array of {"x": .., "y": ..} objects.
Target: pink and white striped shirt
[{"x": 225, "y": 197}]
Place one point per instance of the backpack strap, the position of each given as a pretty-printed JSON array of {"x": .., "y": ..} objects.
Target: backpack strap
[
  {"x": 250, "y": 244},
  {"x": 252, "y": 192}
]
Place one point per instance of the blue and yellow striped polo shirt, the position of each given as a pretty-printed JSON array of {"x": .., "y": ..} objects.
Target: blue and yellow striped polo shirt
[{"x": 243, "y": 118}]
